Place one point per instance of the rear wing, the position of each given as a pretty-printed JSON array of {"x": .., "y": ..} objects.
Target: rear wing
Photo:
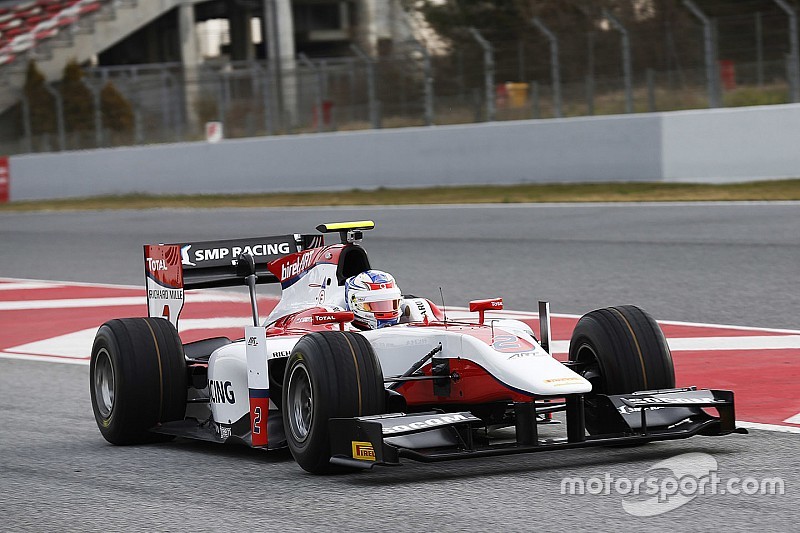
[{"x": 171, "y": 268}]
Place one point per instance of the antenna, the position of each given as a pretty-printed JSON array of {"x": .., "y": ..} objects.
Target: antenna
[{"x": 444, "y": 308}]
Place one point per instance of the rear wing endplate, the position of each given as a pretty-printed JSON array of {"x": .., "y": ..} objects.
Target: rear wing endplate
[{"x": 171, "y": 268}]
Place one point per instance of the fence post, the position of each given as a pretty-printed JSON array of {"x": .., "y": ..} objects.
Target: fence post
[
  {"x": 253, "y": 64},
  {"x": 651, "y": 90},
  {"x": 352, "y": 83},
  {"x": 374, "y": 117},
  {"x": 590, "y": 40},
  {"x": 759, "y": 50},
  {"x": 254, "y": 82},
  {"x": 138, "y": 133},
  {"x": 460, "y": 78},
  {"x": 222, "y": 104},
  {"x": 717, "y": 72},
  {"x": 170, "y": 110},
  {"x": 794, "y": 49},
  {"x": 428, "y": 74},
  {"x": 62, "y": 136},
  {"x": 225, "y": 80},
  {"x": 713, "y": 100},
  {"x": 318, "y": 89},
  {"x": 477, "y": 104},
  {"x": 626, "y": 59},
  {"x": 555, "y": 67},
  {"x": 96, "y": 112},
  {"x": 488, "y": 72},
  {"x": 535, "y": 99},
  {"x": 98, "y": 116},
  {"x": 324, "y": 77},
  {"x": 165, "y": 104},
  {"x": 262, "y": 74},
  {"x": 26, "y": 123}
]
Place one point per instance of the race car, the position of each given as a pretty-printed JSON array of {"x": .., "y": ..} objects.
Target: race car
[{"x": 428, "y": 388}]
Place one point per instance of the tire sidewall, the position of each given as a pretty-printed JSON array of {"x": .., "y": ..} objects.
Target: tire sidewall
[
  {"x": 105, "y": 341},
  {"x": 317, "y": 442}
]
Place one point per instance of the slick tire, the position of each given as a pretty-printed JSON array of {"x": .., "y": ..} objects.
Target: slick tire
[
  {"x": 623, "y": 350},
  {"x": 330, "y": 374},
  {"x": 137, "y": 379}
]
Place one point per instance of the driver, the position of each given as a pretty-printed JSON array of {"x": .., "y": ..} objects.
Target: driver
[{"x": 374, "y": 299}]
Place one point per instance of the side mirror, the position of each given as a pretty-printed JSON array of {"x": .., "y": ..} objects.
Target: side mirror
[
  {"x": 334, "y": 317},
  {"x": 481, "y": 306}
]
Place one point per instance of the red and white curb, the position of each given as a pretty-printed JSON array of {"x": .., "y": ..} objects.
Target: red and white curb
[{"x": 56, "y": 322}]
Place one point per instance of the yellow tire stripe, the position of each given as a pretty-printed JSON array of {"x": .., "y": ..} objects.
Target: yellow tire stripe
[
  {"x": 358, "y": 378},
  {"x": 636, "y": 342},
  {"x": 160, "y": 372}
]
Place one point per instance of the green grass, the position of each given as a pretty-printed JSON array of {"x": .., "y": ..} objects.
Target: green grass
[
  {"x": 750, "y": 96},
  {"x": 509, "y": 194}
]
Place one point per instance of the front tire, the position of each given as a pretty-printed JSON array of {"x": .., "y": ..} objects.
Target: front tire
[
  {"x": 137, "y": 379},
  {"x": 330, "y": 374},
  {"x": 623, "y": 350}
]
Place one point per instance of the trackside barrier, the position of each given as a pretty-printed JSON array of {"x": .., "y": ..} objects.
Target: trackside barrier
[{"x": 719, "y": 145}]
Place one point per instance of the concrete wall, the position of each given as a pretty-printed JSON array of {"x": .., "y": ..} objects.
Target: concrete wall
[
  {"x": 708, "y": 145},
  {"x": 726, "y": 145}
]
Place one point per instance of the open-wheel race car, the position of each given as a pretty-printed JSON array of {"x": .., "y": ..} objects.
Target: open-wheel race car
[{"x": 342, "y": 395}]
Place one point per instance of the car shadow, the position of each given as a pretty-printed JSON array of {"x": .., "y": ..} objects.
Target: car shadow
[{"x": 548, "y": 464}]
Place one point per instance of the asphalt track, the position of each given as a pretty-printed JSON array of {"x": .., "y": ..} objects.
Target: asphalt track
[{"x": 734, "y": 264}]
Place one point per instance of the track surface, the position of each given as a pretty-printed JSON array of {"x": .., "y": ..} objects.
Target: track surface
[{"x": 717, "y": 264}]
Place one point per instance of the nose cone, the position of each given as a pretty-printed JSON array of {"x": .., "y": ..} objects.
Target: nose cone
[
  {"x": 541, "y": 375},
  {"x": 532, "y": 371}
]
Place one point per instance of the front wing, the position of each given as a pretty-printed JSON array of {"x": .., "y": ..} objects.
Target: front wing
[{"x": 641, "y": 417}]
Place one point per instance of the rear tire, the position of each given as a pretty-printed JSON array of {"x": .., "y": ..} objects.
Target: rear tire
[
  {"x": 137, "y": 379},
  {"x": 330, "y": 374},
  {"x": 623, "y": 350}
]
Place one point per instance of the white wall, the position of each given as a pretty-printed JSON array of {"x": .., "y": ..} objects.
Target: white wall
[
  {"x": 708, "y": 145},
  {"x": 725, "y": 145}
]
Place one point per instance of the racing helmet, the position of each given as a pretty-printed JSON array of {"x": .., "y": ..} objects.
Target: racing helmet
[{"x": 374, "y": 299}]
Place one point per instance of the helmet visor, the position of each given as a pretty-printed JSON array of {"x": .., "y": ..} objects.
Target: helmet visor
[{"x": 383, "y": 306}]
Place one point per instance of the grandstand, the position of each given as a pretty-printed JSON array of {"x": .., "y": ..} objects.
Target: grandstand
[
  {"x": 124, "y": 32},
  {"x": 26, "y": 25}
]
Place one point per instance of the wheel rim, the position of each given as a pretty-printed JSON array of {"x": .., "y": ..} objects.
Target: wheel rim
[
  {"x": 592, "y": 372},
  {"x": 104, "y": 383},
  {"x": 301, "y": 403}
]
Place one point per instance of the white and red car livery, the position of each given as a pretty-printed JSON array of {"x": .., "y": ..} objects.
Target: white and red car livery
[{"x": 425, "y": 388}]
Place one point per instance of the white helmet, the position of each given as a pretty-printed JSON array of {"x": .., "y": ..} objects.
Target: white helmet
[{"x": 374, "y": 299}]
